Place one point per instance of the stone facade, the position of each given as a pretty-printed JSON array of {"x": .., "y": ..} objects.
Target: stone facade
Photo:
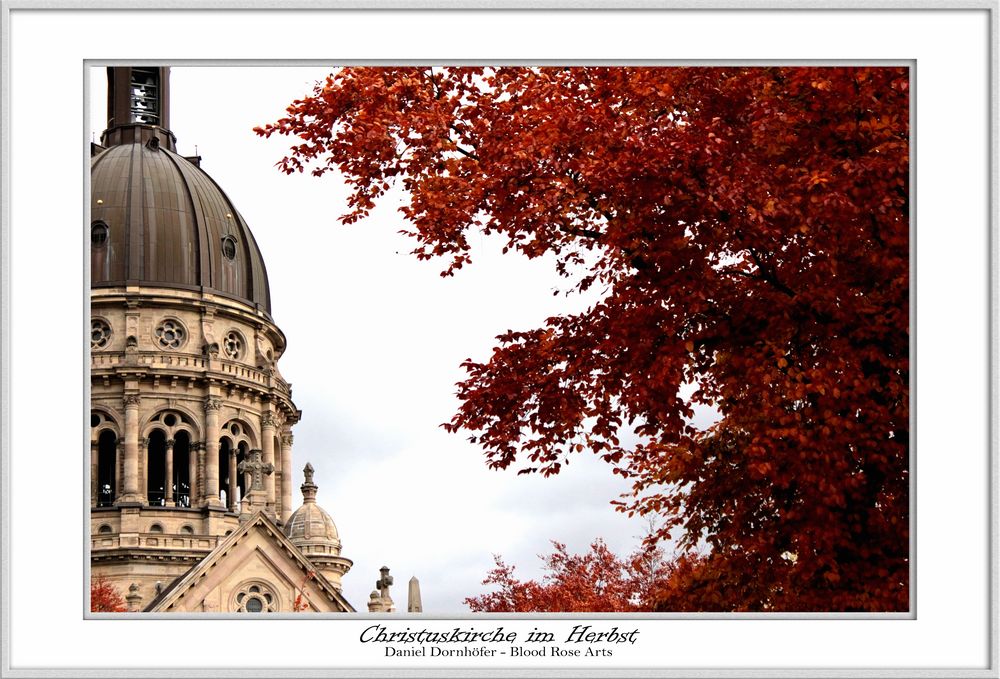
[
  {"x": 191, "y": 420},
  {"x": 187, "y": 403},
  {"x": 255, "y": 570}
]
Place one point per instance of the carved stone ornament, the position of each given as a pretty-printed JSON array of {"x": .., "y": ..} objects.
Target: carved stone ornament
[
  {"x": 131, "y": 400},
  {"x": 212, "y": 404},
  {"x": 131, "y": 343},
  {"x": 267, "y": 419},
  {"x": 256, "y": 468},
  {"x": 287, "y": 439},
  {"x": 384, "y": 582},
  {"x": 212, "y": 349}
]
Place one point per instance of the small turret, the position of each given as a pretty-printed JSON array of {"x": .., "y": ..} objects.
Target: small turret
[{"x": 312, "y": 530}]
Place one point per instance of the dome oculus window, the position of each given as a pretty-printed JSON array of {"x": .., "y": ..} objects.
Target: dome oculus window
[
  {"x": 98, "y": 234},
  {"x": 229, "y": 247},
  {"x": 170, "y": 334},
  {"x": 233, "y": 345},
  {"x": 100, "y": 333}
]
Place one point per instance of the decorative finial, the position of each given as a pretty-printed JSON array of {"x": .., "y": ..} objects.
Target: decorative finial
[
  {"x": 381, "y": 602},
  {"x": 308, "y": 488},
  {"x": 384, "y": 582}
]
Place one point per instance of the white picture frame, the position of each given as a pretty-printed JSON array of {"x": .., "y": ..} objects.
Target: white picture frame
[{"x": 954, "y": 48}]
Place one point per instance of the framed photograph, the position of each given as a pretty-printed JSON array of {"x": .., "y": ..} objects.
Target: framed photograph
[{"x": 625, "y": 347}]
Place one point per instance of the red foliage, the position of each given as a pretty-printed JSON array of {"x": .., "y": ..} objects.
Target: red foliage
[
  {"x": 748, "y": 230},
  {"x": 300, "y": 604},
  {"x": 104, "y": 597},
  {"x": 597, "y": 581}
]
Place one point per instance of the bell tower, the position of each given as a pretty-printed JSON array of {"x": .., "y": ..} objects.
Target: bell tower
[
  {"x": 138, "y": 106},
  {"x": 185, "y": 385}
]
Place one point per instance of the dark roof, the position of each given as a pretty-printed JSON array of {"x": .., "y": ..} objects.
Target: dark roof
[{"x": 167, "y": 226}]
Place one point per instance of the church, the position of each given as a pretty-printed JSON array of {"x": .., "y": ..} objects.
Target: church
[{"x": 191, "y": 501}]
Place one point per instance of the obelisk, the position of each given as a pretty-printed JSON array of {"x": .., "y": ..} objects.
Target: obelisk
[{"x": 413, "y": 603}]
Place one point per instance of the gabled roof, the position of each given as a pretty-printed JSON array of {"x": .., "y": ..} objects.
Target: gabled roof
[{"x": 279, "y": 552}]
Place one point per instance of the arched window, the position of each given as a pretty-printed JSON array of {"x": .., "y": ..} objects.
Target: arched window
[
  {"x": 104, "y": 529},
  {"x": 107, "y": 451},
  {"x": 182, "y": 469},
  {"x": 156, "y": 469},
  {"x": 243, "y": 480},
  {"x": 156, "y": 528},
  {"x": 187, "y": 530}
]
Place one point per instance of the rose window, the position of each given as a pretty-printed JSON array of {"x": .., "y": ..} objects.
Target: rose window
[
  {"x": 100, "y": 334},
  {"x": 255, "y": 599},
  {"x": 233, "y": 345},
  {"x": 170, "y": 334}
]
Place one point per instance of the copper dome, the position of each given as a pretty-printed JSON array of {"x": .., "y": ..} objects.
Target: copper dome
[{"x": 157, "y": 219}]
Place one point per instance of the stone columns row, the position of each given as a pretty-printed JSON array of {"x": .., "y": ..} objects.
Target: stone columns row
[{"x": 203, "y": 462}]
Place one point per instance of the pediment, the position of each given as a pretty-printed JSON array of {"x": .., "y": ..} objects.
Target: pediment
[{"x": 256, "y": 562}]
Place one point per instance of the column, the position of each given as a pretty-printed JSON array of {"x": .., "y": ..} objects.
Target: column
[
  {"x": 193, "y": 484},
  {"x": 130, "y": 468},
  {"x": 169, "y": 490},
  {"x": 93, "y": 473},
  {"x": 231, "y": 491},
  {"x": 267, "y": 451},
  {"x": 286, "y": 476},
  {"x": 119, "y": 457},
  {"x": 212, "y": 406},
  {"x": 144, "y": 470}
]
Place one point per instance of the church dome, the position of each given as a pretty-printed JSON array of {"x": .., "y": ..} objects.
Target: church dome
[
  {"x": 310, "y": 526},
  {"x": 158, "y": 220}
]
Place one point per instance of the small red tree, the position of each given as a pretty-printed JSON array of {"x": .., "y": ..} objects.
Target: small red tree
[
  {"x": 597, "y": 581},
  {"x": 300, "y": 604},
  {"x": 104, "y": 597}
]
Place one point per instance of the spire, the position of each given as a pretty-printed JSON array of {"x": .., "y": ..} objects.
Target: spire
[
  {"x": 309, "y": 488},
  {"x": 138, "y": 106},
  {"x": 413, "y": 602}
]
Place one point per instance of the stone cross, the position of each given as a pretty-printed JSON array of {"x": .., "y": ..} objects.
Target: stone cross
[
  {"x": 384, "y": 582},
  {"x": 257, "y": 468}
]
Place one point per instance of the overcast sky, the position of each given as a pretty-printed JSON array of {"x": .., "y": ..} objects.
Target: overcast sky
[{"x": 375, "y": 343}]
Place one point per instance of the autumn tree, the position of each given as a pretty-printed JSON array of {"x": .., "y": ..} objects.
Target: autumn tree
[
  {"x": 746, "y": 232},
  {"x": 596, "y": 581},
  {"x": 104, "y": 597}
]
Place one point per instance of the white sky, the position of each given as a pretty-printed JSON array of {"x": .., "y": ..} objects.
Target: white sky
[{"x": 375, "y": 343}]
